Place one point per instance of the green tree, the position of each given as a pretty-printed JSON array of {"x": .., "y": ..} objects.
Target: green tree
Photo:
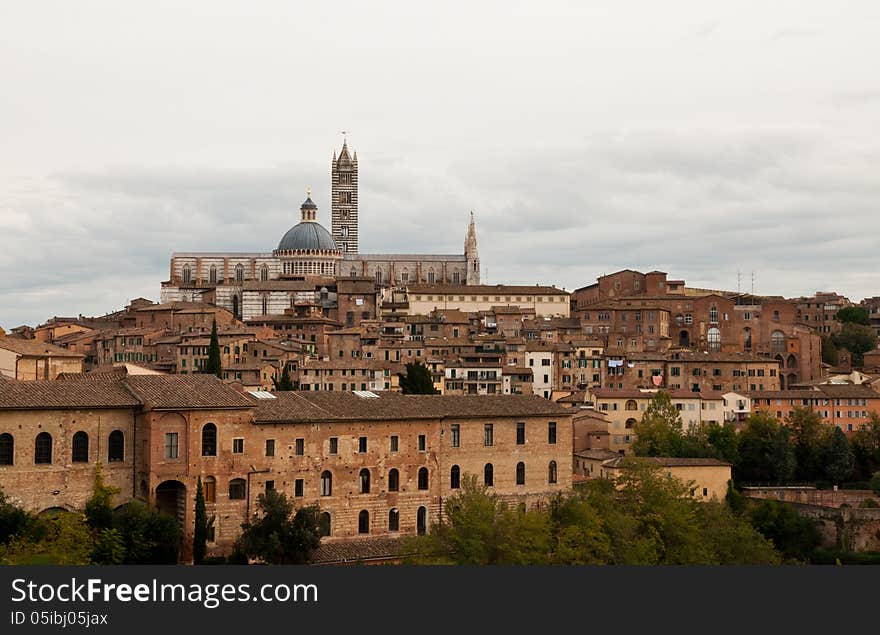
[
  {"x": 765, "y": 450},
  {"x": 829, "y": 350},
  {"x": 276, "y": 537},
  {"x": 108, "y": 547},
  {"x": 810, "y": 436},
  {"x": 99, "y": 508},
  {"x": 858, "y": 339},
  {"x": 794, "y": 535},
  {"x": 14, "y": 520},
  {"x": 579, "y": 536},
  {"x": 853, "y": 315},
  {"x": 149, "y": 536},
  {"x": 285, "y": 383},
  {"x": 477, "y": 528},
  {"x": 865, "y": 445},
  {"x": 417, "y": 380},
  {"x": 838, "y": 457},
  {"x": 724, "y": 441},
  {"x": 215, "y": 366},
  {"x": 659, "y": 433},
  {"x": 875, "y": 483},
  {"x": 200, "y": 531},
  {"x": 61, "y": 539}
]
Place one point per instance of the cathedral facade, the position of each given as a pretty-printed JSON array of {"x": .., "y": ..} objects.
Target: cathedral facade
[{"x": 309, "y": 259}]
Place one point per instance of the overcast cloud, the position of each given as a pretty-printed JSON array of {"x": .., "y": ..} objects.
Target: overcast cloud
[{"x": 700, "y": 138}]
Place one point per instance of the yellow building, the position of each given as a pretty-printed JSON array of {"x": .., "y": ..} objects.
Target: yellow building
[
  {"x": 545, "y": 301},
  {"x": 706, "y": 477}
]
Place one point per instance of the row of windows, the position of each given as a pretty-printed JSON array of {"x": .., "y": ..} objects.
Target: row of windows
[
  {"x": 212, "y": 274},
  {"x": 79, "y": 450}
]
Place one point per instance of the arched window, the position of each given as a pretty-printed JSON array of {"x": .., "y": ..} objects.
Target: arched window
[
  {"x": 364, "y": 522},
  {"x": 7, "y": 449},
  {"x": 551, "y": 472},
  {"x": 393, "y": 480},
  {"x": 116, "y": 447},
  {"x": 365, "y": 481},
  {"x": 488, "y": 475},
  {"x": 630, "y": 423},
  {"x": 209, "y": 489},
  {"x": 237, "y": 489},
  {"x": 393, "y": 520},
  {"x": 43, "y": 449},
  {"x": 777, "y": 342},
  {"x": 264, "y": 273},
  {"x": 631, "y": 405},
  {"x": 326, "y": 483},
  {"x": 353, "y": 272},
  {"x": 455, "y": 477},
  {"x": 209, "y": 440},
  {"x": 378, "y": 276},
  {"x": 520, "y": 473},
  {"x": 422, "y": 521},
  {"x": 235, "y": 306},
  {"x": 713, "y": 337},
  {"x": 265, "y": 305},
  {"x": 239, "y": 273},
  {"x": 423, "y": 478},
  {"x": 747, "y": 339},
  {"x": 212, "y": 274},
  {"x": 324, "y": 524},
  {"x": 431, "y": 276},
  {"x": 79, "y": 448},
  {"x": 187, "y": 274}
]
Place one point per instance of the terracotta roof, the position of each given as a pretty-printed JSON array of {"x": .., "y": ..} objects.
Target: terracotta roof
[
  {"x": 330, "y": 405},
  {"x": 597, "y": 455},
  {"x": 34, "y": 348},
  {"x": 165, "y": 392},
  {"x": 633, "y": 393},
  {"x": 345, "y": 551},
  {"x": 579, "y": 396},
  {"x": 665, "y": 461},
  {"x": 66, "y": 395}
]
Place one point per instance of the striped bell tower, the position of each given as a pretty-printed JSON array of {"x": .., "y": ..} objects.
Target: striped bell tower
[{"x": 344, "y": 208}]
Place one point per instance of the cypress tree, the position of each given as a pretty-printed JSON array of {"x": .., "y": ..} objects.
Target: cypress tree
[
  {"x": 200, "y": 533},
  {"x": 214, "y": 364}
]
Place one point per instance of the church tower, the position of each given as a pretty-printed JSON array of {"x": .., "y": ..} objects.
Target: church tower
[
  {"x": 471, "y": 255},
  {"x": 344, "y": 192}
]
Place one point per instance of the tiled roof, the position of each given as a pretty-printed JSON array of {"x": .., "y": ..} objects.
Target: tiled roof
[
  {"x": 665, "y": 461},
  {"x": 34, "y": 348},
  {"x": 164, "y": 392},
  {"x": 344, "y": 551},
  {"x": 330, "y": 405},
  {"x": 41, "y": 395}
]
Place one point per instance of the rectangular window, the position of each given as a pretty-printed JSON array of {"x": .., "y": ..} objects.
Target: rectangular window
[
  {"x": 334, "y": 445},
  {"x": 456, "y": 435},
  {"x": 520, "y": 433},
  {"x": 362, "y": 444},
  {"x": 270, "y": 485},
  {"x": 299, "y": 487},
  {"x": 551, "y": 433},
  {"x": 488, "y": 435},
  {"x": 422, "y": 443},
  {"x": 170, "y": 445},
  {"x": 270, "y": 447},
  {"x": 238, "y": 446},
  {"x": 300, "y": 447},
  {"x": 395, "y": 443}
]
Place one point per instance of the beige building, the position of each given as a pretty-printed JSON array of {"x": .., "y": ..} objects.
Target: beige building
[
  {"x": 544, "y": 301},
  {"x": 32, "y": 359},
  {"x": 706, "y": 478}
]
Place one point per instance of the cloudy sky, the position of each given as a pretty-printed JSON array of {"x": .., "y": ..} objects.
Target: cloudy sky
[{"x": 701, "y": 138}]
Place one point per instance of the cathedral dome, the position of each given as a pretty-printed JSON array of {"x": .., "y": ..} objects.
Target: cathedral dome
[{"x": 307, "y": 235}]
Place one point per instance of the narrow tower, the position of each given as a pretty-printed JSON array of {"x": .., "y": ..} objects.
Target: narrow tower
[
  {"x": 471, "y": 254},
  {"x": 344, "y": 208}
]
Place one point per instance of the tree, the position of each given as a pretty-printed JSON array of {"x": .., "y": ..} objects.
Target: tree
[
  {"x": 285, "y": 383},
  {"x": 99, "y": 508},
  {"x": 200, "y": 531},
  {"x": 858, "y": 339},
  {"x": 275, "y": 537},
  {"x": 794, "y": 535},
  {"x": 659, "y": 433},
  {"x": 149, "y": 536},
  {"x": 853, "y": 315},
  {"x": 61, "y": 539},
  {"x": 865, "y": 444},
  {"x": 810, "y": 436},
  {"x": 839, "y": 457},
  {"x": 765, "y": 450},
  {"x": 214, "y": 366},
  {"x": 875, "y": 483},
  {"x": 13, "y": 519},
  {"x": 723, "y": 441},
  {"x": 417, "y": 380},
  {"x": 829, "y": 350}
]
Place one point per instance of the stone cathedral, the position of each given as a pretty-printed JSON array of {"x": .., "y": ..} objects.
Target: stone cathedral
[{"x": 254, "y": 284}]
